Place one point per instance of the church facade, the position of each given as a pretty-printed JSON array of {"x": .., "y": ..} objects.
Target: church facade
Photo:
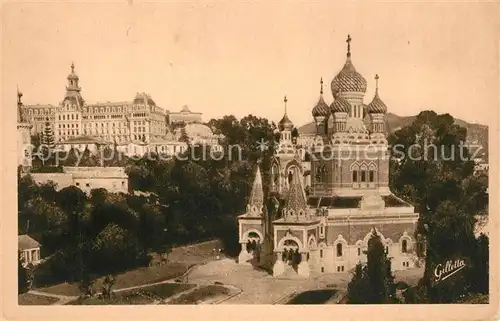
[{"x": 332, "y": 194}]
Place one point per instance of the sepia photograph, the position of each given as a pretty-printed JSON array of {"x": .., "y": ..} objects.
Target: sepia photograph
[{"x": 224, "y": 153}]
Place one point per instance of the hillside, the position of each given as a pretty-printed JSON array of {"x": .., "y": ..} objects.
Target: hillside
[{"x": 475, "y": 132}]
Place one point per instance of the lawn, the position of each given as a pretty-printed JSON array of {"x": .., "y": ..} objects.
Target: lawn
[
  {"x": 146, "y": 295},
  {"x": 201, "y": 294},
  {"x": 140, "y": 276},
  {"x": 69, "y": 289},
  {"x": 32, "y": 299},
  {"x": 145, "y": 275}
]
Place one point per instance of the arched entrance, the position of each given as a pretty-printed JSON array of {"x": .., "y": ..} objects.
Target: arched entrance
[
  {"x": 253, "y": 246},
  {"x": 291, "y": 254}
]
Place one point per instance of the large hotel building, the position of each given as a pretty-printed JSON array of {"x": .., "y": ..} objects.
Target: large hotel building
[{"x": 139, "y": 121}]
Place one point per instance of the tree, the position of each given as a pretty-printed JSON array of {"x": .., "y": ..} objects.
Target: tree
[
  {"x": 48, "y": 136},
  {"x": 373, "y": 283},
  {"x": 432, "y": 169},
  {"x": 358, "y": 289},
  {"x": 108, "y": 283},
  {"x": 115, "y": 249}
]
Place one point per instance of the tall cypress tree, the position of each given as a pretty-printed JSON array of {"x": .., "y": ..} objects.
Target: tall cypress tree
[
  {"x": 48, "y": 136},
  {"x": 374, "y": 282}
]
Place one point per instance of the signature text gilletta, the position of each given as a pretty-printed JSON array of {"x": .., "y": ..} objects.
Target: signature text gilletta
[{"x": 444, "y": 271}]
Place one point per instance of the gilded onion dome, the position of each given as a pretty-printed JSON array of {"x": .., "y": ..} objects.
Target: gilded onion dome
[
  {"x": 285, "y": 123},
  {"x": 340, "y": 105},
  {"x": 348, "y": 79},
  {"x": 377, "y": 106},
  {"x": 321, "y": 108}
]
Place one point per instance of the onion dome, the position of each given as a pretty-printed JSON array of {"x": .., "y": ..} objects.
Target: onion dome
[
  {"x": 340, "y": 105},
  {"x": 348, "y": 79},
  {"x": 285, "y": 123},
  {"x": 377, "y": 106},
  {"x": 73, "y": 75},
  {"x": 321, "y": 109}
]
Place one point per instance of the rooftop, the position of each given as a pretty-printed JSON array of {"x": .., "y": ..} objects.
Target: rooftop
[
  {"x": 25, "y": 242},
  {"x": 352, "y": 202}
]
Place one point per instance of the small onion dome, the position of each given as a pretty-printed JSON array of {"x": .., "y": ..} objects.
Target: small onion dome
[
  {"x": 377, "y": 106},
  {"x": 321, "y": 108},
  {"x": 285, "y": 123},
  {"x": 340, "y": 105}
]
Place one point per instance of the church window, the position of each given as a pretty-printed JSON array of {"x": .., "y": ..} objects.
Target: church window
[
  {"x": 321, "y": 253},
  {"x": 359, "y": 251},
  {"x": 339, "y": 249},
  {"x": 404, "y": 246},
  {"x": 363, "y": 176},
  {"x": 64, "y": 117},
  {"x": 59, "y": 117},
  {"x": 322, "y": 269},
  {"x": 72, "y": 117},
  {"x": 355, "y": 176},
  {"x": 371, "y": 176},
  {"x": 290, "y": 177}
]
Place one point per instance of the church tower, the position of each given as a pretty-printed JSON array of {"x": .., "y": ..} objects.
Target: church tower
[
  {"x": 24, "y": 148},
  {"x": 286, "y": 158},
  {"x": 321, "y": 114},
  {"x": 252, "y": 225},
  {"x": 377, "y": 110}
]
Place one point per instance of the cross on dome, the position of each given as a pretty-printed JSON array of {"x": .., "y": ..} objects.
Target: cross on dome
[{"x": 349, "y": 39}]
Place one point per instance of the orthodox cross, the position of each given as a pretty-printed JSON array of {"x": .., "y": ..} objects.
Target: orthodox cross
[{"x": 348, "y": 45}]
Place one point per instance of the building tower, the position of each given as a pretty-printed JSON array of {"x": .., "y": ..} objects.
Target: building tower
[
  {"x": 252, "y": 227},
  {"x": 286, "y": 158},
  {"x": 73, "y": 96},
  {"x": 68, "y": 122},
  {"x": 377, "y": 110},
  {"x": 24, "y": 148},
  {"x": 321, "y": 114}
]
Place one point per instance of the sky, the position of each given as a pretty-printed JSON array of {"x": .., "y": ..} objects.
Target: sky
[{"x": 242, "y": 57}]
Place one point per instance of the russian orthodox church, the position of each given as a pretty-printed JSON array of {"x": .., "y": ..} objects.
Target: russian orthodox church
[{"x": 346, "y": 171}]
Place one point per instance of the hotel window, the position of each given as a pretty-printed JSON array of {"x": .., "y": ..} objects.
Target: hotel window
[
  {"x": 64, "y": 117},
  {"x": 404, "y": 246},
  {"x": 371, "y": 176},
  {"x": 59, "y": 117},
  {"x": 339, "y": 249}
]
